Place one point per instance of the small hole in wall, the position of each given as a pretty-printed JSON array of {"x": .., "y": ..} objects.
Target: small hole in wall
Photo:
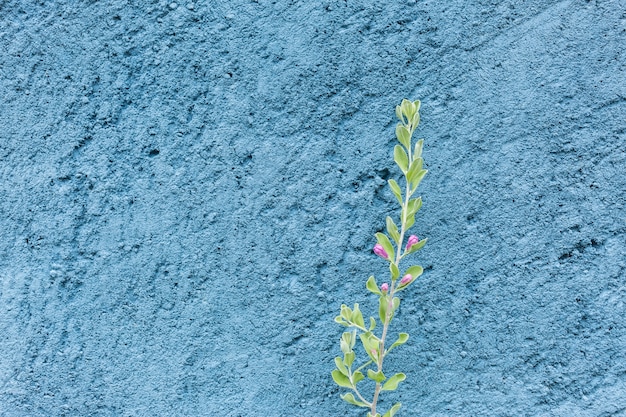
[{"x": 154, "y": 152}]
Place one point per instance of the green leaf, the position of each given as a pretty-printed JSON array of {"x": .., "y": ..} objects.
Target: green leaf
[
  {"x": 415, "y": 121},
  {"x": 348, "y": 358},
  {"x": 392, "y": 383},
  {"x": 345, "y": 347},
  {"x": 346, "y": 313},
  {"x": 340, "y": 379},
  {"x": 419, "y": 145},
  {"x": 395, "y": 188},
  {"x": 357, "y": 377},
  {"x": 395, "y": 272},
  {"x": 370, "y": 342},
  {"x": 382, "y": 309},
  {"x": 401, "y": 158},
  {"x": 402, "y": 338},
  {"x": 414, "y": 205},
  {"x": 409, "y": 219},
  {"x": 399, "y": 113},
  {"x": 383, "y": 303},
  {"x": 415, "y": 271},
  {"x": 341, "y": 321},
  {"x": 386, "y": 244},
  {"x": 372, "y": 286},
  {"x": 349, "y": 398},
  {"x": 396, "y": 303},
  {"x": 403, "y": 135},
  {"x": 419, "y": 245},
  {"x": 414, "y": 168},
  {"x": 341, "y": 366},
  {"x": 372, "y": 324},
  {"x": 357, "y": 317},
  {"x": 392, "y": 229},
  {"x": 418, "y": 178},
  {"x": 366, "y": 340},
  {"x": 376, "y": 376},
  {"x": 347, "y": 338},
  {"x": 417, "y": 105},
  {"x": 419, "y": 162},
  {"x": 408, "y": 108},
  {"x": 393, "y": 410}
]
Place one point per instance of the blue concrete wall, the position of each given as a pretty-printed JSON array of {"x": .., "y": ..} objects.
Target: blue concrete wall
[{"x": 189, "y": 191}]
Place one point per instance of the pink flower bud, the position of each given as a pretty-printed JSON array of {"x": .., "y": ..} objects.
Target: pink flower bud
[
  {"x": 412, "y": 241},
  {"x": 374, "y": 353},
  {"x": 406, "y": 279},
  {"x": 384, "y": 288},
  {"x": 380, "y": 251}
]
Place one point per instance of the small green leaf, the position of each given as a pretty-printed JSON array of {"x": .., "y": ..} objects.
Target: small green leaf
[
  {"x": 414, "y": 205},
  {"x": 402, "y": 338},
  {"x": 408, "y": 108},
  {"x": 382, "y": 309},
  {"x": 401, "y": 158},
  {"x": 370, "y": 342},
  {"x": 357, "y": 317},
  {"x": 346, "y": 337},
  {"x": 408, "y": 219},
  {"x": 393, "y": 410},
  {"x": 392, "y": 229},
  {"x": 415, "y": 121},
  {"x": 340, "y": 379},
  {"x": 415, "y": 271},
  {"x": 345, "y": 347},
  {"x": 365, "y": 340},
  {"x": 346, "y": 313},
  {"x": 399, "y": 113},
  {"x": 403, "y": 135},
  {"x": 372, "y": 324},
  {"x": 376, "y": 376},
  {"x": 341, "y": 366},
  {"x": 357, "y": 377},
  {"x": 418, "y": 149},
  {"x": 396, "y": 303},
  {"x": 348, "y": 358},
  {"x": 414, "y": 168},
  {"x": 393, "y": 382},
  {"x": 386, "y": 244},
  {"x": 341, "y": 321},
  {"x": 418, "y": 178},
  {"x": 395, "y": 188},
  {"x": 417, "y": 105},
  {"x": 395, "y": 272},
  {"x": 349, "y": 398},
  {"x": 372, "y": 286}
]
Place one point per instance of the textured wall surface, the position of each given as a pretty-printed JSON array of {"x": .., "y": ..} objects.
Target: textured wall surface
[{"x": 189, "y": 191}]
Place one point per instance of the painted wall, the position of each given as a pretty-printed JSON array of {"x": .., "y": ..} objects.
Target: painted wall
[{"x": 189, "y": 191}]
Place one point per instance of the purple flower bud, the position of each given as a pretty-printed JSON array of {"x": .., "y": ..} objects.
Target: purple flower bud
[
  {"x": 384, "y": 288},
  {"x": 380, "y": 251},
  {"x": 406, "y": 279},
  {"x": 412, "y": 241}
]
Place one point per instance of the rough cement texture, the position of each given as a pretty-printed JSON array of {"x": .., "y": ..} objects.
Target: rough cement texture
[{"x": 189, "y": 191}]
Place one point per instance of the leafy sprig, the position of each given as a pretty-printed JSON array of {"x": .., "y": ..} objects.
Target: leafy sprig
[{"x": 391, "y": 247}]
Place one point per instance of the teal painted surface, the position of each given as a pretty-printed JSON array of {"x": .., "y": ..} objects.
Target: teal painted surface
[{"x": 189, "y": 191}]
